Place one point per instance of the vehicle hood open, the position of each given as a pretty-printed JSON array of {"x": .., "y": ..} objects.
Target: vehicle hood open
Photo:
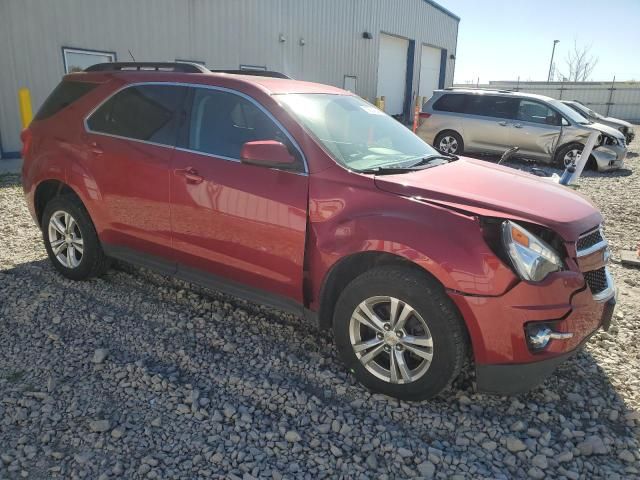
[{"x": 487, "y": 189}]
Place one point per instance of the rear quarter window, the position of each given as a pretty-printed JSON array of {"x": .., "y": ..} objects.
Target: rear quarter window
[
  {"x": 66, "y": 93},
  {"x": 451, "y": 103},
  {"x": 145, "y": 112}
]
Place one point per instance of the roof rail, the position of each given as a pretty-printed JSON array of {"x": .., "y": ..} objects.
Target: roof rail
[
  {"x": 183, "y": 67},
  {"x": 259, "y": 73},
  {"x": 500, "y": 90}
]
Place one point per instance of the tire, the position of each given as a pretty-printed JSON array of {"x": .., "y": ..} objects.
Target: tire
[
  {"x": 74, "y": 229},
  {"x": 449, "y": 142},
  {"x": 565, "y": 153},
  {"x": 445, "y": 333}
]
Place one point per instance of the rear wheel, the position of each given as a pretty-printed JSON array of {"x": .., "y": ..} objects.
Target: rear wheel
[
  {"x": 399, "y": 334},
  {"x": 71, "y": 239},
  {"x": 449, "y": 142}
]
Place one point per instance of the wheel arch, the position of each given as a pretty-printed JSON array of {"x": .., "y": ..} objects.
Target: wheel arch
[
  {"x": 46, "y": 190},
  {"x": 350, "y": 267}
]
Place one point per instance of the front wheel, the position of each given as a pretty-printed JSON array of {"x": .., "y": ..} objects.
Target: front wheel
[
  {"x": 399, "y": 334},
  {"x": 569, "y": 154}
]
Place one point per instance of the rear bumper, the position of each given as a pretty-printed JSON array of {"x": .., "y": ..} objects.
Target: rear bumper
[{"x": 504, "y": 361}]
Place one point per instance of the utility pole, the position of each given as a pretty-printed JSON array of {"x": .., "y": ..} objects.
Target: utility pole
[{"x": 551, "y": 62}]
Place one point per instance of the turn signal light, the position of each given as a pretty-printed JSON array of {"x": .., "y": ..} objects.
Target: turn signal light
[{"x": 518, "y": 236}]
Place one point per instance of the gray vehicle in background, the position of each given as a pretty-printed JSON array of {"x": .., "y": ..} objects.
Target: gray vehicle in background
[
  {"x": 625, "y": 127},
  {"x": 457, "y": 120}
]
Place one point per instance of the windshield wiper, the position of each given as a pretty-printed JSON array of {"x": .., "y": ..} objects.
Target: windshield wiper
[
  {"x": 425, "y": 162},
  {"x": 389, "y": 170}
]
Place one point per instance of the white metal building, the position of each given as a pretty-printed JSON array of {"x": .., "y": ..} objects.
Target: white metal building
[{"x": 392, "y": 48}]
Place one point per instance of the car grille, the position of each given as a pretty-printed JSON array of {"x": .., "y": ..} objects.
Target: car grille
[
  {"x": 597, "y": 280},
  {"x": 590, "y": 239}
]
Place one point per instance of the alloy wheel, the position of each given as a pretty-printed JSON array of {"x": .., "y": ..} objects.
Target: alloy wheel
[
  {"x": 65, "y": 239},
  {"x": 391, "y": 339},
  {"x": 571, "y": 157},
  {"x": 448, "y": 144}
]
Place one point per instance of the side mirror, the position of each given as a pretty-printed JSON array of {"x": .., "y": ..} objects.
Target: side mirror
[{"x": 267, "y": 153}]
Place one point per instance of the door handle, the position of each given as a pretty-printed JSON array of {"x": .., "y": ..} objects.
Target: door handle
[
  {"x": 518, "y": 125},
  {"x": 191, "y": 174},
  {"x": 95, "y": 148},
  {"x": 503, "y": 123}
]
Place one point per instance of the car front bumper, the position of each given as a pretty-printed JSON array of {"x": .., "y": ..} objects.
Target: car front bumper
[
  {"x": 609, "y": 157},
  {"x": 505, "y": 363}
]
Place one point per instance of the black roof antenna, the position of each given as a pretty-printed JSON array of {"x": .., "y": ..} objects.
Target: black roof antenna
[{"x": 132, "y": 57}]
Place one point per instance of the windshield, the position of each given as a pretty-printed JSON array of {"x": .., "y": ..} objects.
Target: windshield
[
  {"x": 569, "y": 112},
  {"x": 358, "y": 135}
]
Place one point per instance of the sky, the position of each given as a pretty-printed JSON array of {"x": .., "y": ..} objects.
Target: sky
[{"x": 504, "y": 39}]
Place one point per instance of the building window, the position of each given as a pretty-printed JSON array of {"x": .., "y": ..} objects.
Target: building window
[
  {"x": 349, "y": 83},
  {"x": 77, "y": 59},
  {"x": 253, "y": 67}
]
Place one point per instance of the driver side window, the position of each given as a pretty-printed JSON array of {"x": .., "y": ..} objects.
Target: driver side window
[
  {"x": 222, "y": 122},
  {"x": 536, "y": 112}
]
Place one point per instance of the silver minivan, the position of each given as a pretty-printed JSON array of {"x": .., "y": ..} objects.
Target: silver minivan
[{"x": 457, "y": 120}]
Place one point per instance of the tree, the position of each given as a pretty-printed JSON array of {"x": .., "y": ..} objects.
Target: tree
[{"x": 579, "y": 63}]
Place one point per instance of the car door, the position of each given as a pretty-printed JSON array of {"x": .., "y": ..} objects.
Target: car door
[
  {"x": 487, "y": 122},
  {"x": 129, "y": 141},
  {"x": 232, "y": 222},
  {"x": 536, "y": 129}
]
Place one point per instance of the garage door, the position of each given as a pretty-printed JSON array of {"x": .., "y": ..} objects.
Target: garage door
[
  {"x": 392, "y": 72},
  {"x": 429, "y": 71}
]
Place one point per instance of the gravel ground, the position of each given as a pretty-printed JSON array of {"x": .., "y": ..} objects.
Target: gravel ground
[{"x": 136, "y": 375}]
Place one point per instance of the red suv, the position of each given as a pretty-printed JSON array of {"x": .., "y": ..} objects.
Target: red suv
[{"x": 307, "y": 198}]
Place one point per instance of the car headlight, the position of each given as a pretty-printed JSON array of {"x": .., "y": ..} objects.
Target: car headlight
[{"x": 532, "y": 258}]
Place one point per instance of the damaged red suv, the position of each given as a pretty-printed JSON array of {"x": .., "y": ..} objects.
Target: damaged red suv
[{"x": 307, "y": 198}]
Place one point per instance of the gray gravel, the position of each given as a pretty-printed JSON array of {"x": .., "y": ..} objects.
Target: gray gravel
[{"x": 136, "y": 375}]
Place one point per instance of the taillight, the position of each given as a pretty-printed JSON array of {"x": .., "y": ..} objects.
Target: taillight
[
  {"x": 422, "y": 116},
  {"x": 26, "y": 136}
]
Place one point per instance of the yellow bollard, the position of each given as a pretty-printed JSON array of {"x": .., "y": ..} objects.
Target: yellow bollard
[
  {"x": 26, "y": 113},
  {"x": 377, "y": 102},
  {"x": 382, "y": 103}
]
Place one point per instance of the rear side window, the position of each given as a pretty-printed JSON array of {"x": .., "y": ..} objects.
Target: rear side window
[
  {"x": 62, "y": 96},
  {"x": 221, "y": 122},
  {"x": 145, "y": 112},
  {"x": 492, "y": 106},
  {"x": 451, "y": 103}
]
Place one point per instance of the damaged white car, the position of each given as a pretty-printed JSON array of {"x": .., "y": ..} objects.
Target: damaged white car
[{"x": 457, "y": 120}]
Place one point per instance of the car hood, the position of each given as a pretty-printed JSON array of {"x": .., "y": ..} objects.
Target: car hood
[
  {"x": 487, "y": 189},
  {"x": 601, "y": 127},
  {"x": 617, "y": 121}
]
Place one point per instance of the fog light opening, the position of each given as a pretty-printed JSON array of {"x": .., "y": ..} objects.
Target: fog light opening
[{"x": 539, "y": 335}]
